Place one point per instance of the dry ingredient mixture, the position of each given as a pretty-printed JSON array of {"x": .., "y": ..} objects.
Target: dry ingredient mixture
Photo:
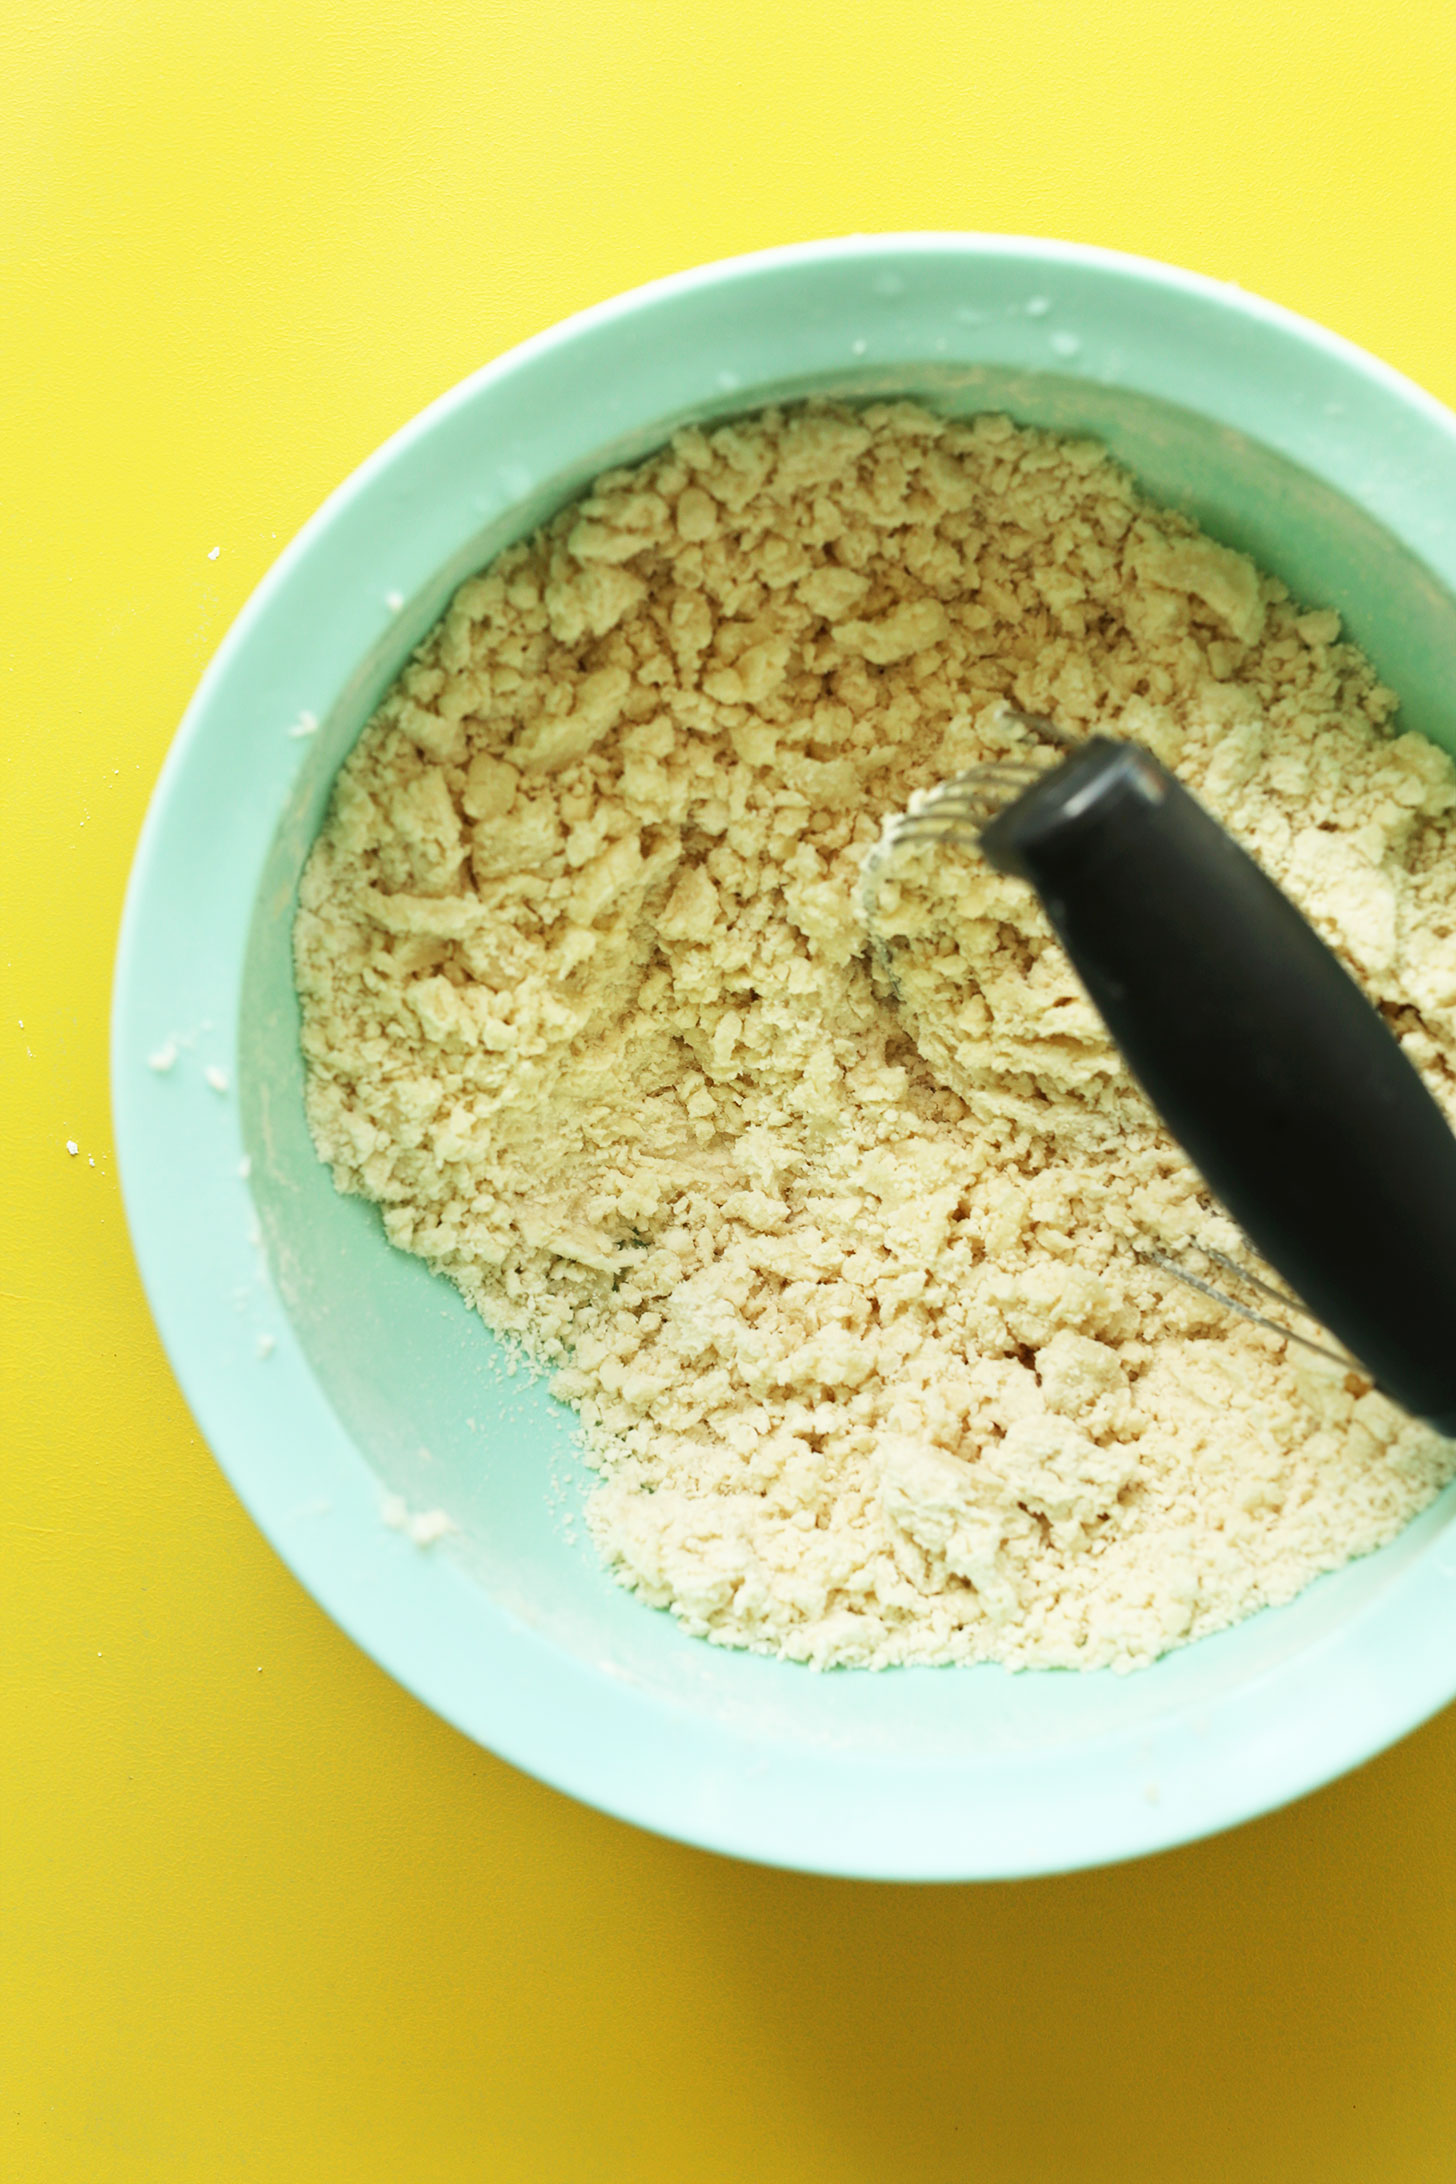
[{"x": 845, "y": 1290}]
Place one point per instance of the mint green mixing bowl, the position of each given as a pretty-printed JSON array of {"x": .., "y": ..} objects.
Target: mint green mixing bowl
[{"x": 329, "y": 1371}]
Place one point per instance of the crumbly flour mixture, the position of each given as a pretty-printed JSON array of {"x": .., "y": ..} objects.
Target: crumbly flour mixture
[{"x": 846, "y": 1289}]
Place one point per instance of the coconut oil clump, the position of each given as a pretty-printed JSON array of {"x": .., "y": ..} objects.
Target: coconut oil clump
[{"x": 843, "y": 1286}]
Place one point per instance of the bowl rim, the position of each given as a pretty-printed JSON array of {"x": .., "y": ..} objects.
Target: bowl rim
[{"x": 1338, "y": 1704}]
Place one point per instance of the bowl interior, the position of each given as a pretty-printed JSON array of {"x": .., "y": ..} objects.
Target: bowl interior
[{"x": 409, "y": 1393}]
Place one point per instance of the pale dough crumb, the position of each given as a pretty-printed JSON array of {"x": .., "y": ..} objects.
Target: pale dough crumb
[
  {"x": 424, "y": 1527},
  {"x": 217, "y": 1078},
  {"x": 843, "y": 1286}
]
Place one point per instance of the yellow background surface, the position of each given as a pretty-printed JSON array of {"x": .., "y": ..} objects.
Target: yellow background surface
[{"x": 266, "y": 1918}]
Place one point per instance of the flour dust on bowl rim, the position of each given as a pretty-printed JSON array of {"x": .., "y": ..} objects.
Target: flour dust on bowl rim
[{"x": 329, "y": 1371}]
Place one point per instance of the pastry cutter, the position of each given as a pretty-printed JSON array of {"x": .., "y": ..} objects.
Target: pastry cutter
[{"x": 1278, "y": 1077}]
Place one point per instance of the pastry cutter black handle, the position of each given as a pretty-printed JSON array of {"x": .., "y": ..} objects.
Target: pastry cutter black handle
[{"x": 1265, "y": 1060}]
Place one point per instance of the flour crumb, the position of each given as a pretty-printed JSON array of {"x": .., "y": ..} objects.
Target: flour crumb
[
  {"x": 835, "y": 1251},
  {"x": 217, "y": 1078},
  {"x": 164, "y": 1057},
  {"x": 72, "y": 1147},
  {"x": 424, "y": 1527},
  {"x": 305, "y": 725}
]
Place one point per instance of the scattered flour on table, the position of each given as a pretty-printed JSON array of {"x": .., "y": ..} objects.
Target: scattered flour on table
[{"x": 846, "y": 1294}]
